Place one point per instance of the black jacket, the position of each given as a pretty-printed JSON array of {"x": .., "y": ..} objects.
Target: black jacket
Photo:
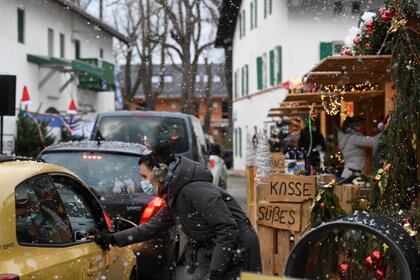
[{"x": 204, "y": 210}]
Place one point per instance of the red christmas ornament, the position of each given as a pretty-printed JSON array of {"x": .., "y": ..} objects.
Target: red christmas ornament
[
  {"x": 368, "y": 46},
  {"x": 369, "y": 263},
  {"x": 380, "y": 274},
  {"x": 343, "y": 270},
  {"x": 382, "y": 10},
  {"x": 346, "y": 52},
  {"x": 322, "y": 205},
  {"x": 370, "y": 26},
  {"x": 357, "y": 40},
  {"x": 376, "y": 256},
  {"x": 387, "y": 15},
  {"x": 388, "y": 168}
]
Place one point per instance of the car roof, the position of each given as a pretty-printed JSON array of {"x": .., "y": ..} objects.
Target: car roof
[
  {"x": 105, "y": 146},
  {"x": 14, "y": 171},
  {"x": 145, "y": 113}
]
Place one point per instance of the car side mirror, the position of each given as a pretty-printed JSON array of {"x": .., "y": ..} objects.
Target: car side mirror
[{"x": 121, "y": 224}]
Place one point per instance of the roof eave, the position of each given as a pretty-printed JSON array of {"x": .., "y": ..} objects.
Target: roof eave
[{"x": 99, "y": 23}]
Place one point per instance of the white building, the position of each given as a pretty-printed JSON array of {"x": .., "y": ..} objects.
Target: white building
[
  {"x": 273, "y": 41},
  {"x": 59, "y": 52}
]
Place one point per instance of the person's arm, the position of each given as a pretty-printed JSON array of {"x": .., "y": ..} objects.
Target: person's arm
[
  {"x": 158, "y": 223},
  {"x": 208, "y": 202},
  {"x": 365, "y": 141}
]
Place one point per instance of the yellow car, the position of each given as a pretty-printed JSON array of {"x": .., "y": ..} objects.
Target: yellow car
[{"x": 47, "y": 216}]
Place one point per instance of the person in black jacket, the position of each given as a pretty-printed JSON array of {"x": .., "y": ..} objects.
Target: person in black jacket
[{"x": 227, "y": 243}]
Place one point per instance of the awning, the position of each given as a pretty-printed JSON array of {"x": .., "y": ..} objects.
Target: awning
[
  {"x": 94, "y": 74},
  {"x": 343, "y": 70}
]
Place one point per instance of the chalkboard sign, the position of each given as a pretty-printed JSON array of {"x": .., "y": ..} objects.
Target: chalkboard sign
[
  {"x": 280, "y": 215},
  {"x": 289, "y": 188}
]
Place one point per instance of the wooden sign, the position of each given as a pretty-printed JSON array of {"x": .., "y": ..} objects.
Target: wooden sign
[
  {"x": 277, "y": 162},
  {"x": 253, "y": 276},
  {"x": 290, "y": 188},
  {"x": 279, "y": 215}
]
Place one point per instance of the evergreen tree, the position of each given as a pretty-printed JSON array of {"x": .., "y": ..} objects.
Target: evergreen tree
[{"x": 32, "y": 137}]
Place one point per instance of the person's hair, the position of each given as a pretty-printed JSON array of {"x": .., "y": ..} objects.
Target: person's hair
[
  {"x": 161, "y": 153},
  {"x": 352, "y": 122}
]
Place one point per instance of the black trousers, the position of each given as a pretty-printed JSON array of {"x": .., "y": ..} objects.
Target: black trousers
[{"x": 250, "y": 257}]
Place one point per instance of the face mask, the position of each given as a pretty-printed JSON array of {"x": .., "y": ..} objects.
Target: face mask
[{"x": 149, "y": 188}]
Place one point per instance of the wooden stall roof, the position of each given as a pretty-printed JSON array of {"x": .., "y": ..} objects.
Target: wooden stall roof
[
  {"x": 298, "y": 110},
  {"x": 348, "y": 96},
  {"x": 342, "y": 70}
]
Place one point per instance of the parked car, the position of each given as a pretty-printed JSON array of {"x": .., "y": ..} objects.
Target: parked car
[
  {"x": 111, "y": 169},
  {"x": 47, "y": 215},
  {"x": 216, "y": 163},
  {"x": 183, "y": 131}
]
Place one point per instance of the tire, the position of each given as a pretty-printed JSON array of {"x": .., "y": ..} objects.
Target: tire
[{"x": 391, "y": 233}]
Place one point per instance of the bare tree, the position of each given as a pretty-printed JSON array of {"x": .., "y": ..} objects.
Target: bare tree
[
  {"x": 208, "y": 104},
  {"x": 186, "y": 20},
  {"x": 145, "y": 24}
]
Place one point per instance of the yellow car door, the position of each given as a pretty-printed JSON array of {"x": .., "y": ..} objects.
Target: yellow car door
[
  {"x": 46, "y": 245},
  {"x": 83, "y": 213}
]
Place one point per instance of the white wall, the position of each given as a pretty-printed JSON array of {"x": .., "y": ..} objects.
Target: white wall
[
  {"x": 39, "y": 16},
  {"x": 299, "y": 32}
]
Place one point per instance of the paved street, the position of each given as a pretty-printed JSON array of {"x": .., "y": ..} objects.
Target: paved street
[{"x": 236, "y": 186}]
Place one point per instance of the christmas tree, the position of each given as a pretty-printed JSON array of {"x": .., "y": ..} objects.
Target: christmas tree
[{"x": 32, "y": 137}]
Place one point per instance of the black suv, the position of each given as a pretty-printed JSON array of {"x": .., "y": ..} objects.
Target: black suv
[
  {"x": 111, "y": 170},
  {"x": 184, "y": 132}
]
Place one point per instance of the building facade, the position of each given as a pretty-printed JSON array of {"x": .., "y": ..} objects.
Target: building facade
[
  {"x": 59, "y": 52},
  {"x": 169, "y": 99},
  {"x": 273, "y": 41}
]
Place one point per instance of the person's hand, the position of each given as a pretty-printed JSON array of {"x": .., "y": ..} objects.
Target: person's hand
[
  {"x": 216, "y": 275},
  {"x": 103, "y": 239}
]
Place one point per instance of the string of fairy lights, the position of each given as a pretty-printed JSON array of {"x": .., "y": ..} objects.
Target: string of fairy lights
[{"x": 332, "y": 95}]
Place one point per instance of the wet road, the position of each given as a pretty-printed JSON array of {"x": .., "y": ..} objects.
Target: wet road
[{"x": 236, "y": 186}]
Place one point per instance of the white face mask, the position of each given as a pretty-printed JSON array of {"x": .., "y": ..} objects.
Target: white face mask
[{"x": 149, "y": 188}]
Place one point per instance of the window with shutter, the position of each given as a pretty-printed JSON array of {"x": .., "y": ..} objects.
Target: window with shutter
[
  {"x": 21, "y": 25},
  {"x": 235, "y": 84},
  {"x": 259, "y": 73},
  {"x": 272, "y": 68},
  {"x": 264, "y": 71},
  {"x": 236, "y": 141},
  {"x": 243, "y": 23},
  {"x": 270, "y": 7},
  {"x": 265, "y": 8},
  {"x": 279, "y": 65},
  {"x": 325, "y": 49}
]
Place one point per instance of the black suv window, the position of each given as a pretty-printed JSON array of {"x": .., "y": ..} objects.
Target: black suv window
[
  {"x": 78, "y": 209},
  {"x": 40, "y": 214}
]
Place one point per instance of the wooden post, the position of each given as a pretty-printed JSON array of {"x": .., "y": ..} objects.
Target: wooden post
[
  {"x": 250, "y": 192},
  {"x": 323, "y": 123},
  {"x": 389, "y": 102}
]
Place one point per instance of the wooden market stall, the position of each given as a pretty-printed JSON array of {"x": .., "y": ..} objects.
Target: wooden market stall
[{"x": 280, "y": 206}]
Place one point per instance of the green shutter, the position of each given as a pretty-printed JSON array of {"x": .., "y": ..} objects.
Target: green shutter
[
  {"x": 265, "y": 8},
  {"x": 247, "y": 79},
  {"x": 272, "y": 67},
  {"x": 62, "y": 45},
  {"x": 270, "y": 6},
  {"x": 279, "y": 65},
  {"x": 242, "y": 81},
  {"x": 235, "y": 84},
  {"x": 251, "y": 13},
  {"x": 240, "y": 142},
  {"x": 256, "y": 14},
  {"x": 259, "y": 72},
  {"x": 21, "y": 25},
  {"x": 244, "y": 22},
  {"x": 325, "y": 49},
  {"x": 77, "y": 49}
]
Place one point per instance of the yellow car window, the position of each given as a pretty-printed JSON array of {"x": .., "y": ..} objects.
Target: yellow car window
[{"x": 40, "y": 215}]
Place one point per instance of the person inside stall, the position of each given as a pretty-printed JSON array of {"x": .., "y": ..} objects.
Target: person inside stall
[
  {"x": 292, "y": 140},
  {"x": 354, "y": 145},
  {"x": 315, "y": 147}
]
